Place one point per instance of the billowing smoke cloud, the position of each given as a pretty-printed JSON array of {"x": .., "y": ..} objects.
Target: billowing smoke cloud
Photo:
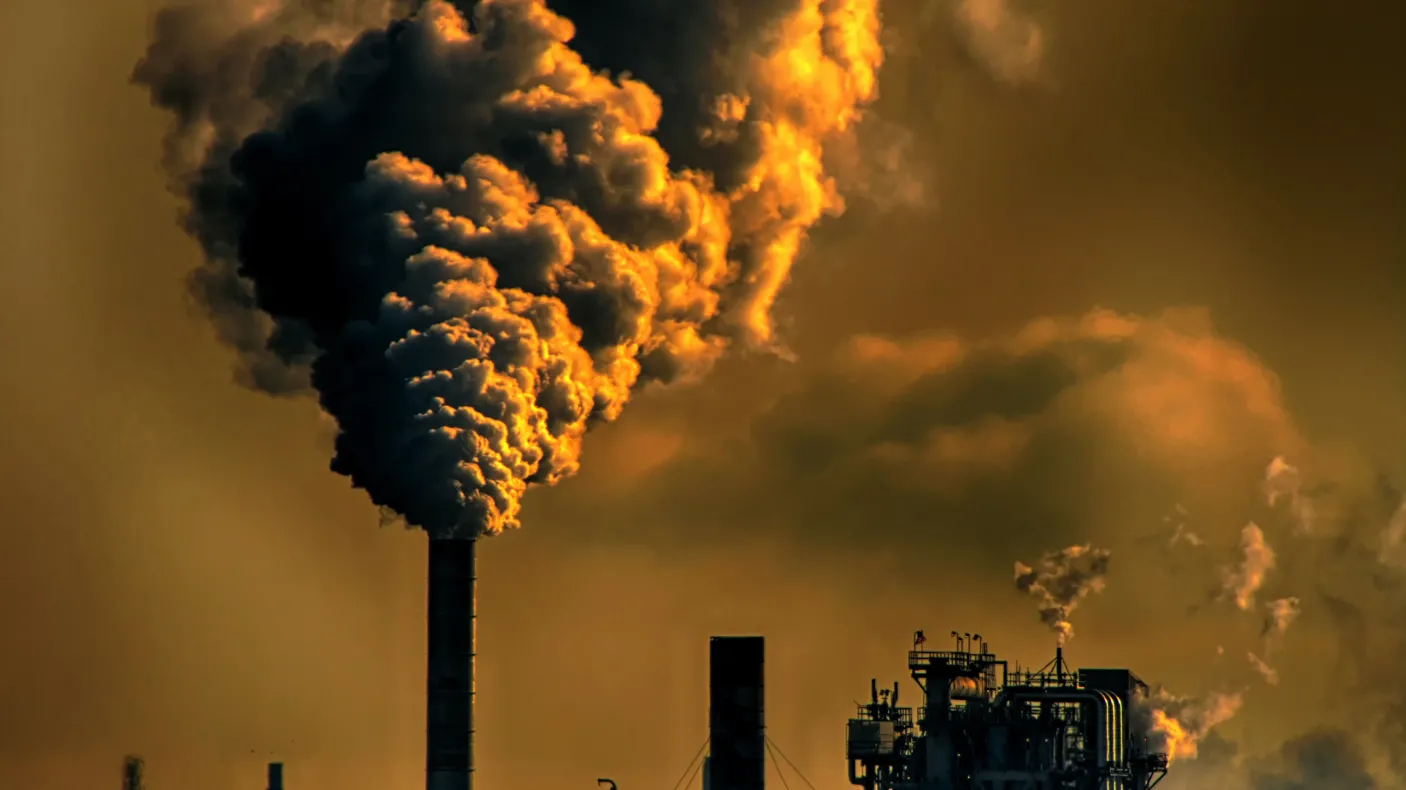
[
  {"x": 470, "y": 243},
  {"x": 1175, "y": 725},
  {"x": 1240, "y": 582},
  {"x": 1320, "y": 760},
  {"x": 1060, "y": 580}
]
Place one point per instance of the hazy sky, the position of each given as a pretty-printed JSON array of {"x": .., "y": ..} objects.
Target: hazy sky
[{"x": 181, "y": 576}]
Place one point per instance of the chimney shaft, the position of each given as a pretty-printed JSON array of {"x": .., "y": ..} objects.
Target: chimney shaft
[
  {"x": 449, "y": 714},
  {"x": 275, "y": 776},
  {"x": 736, "y": 717},
  {"x": 132, "y": 770}
]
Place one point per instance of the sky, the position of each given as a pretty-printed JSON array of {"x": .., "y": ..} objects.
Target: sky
[{"x": 1106, "y": 259}]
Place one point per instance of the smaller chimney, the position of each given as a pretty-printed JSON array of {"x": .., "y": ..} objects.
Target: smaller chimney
[
  {"x": 736, "y": 713},
  {"x": 275, "y": 776},
  {"x": 132, "y": 769}
]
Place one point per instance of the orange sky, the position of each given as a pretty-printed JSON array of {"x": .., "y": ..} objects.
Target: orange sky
[{"x": 181, "y": 576}]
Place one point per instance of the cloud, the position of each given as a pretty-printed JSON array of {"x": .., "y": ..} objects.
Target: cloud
[
  {"x": 1320, "y": 760},
  {"x": 1067, "y": 431},
  {"x": 1002, "y": 37},
  {"x": 1324, "y": 758}
]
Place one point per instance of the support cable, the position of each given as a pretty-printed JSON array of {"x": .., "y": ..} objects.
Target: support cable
[
  {"x": 772, "y": 743},
  {"x": 689, "y": 767},
  {"x": 776, "y": 765}
]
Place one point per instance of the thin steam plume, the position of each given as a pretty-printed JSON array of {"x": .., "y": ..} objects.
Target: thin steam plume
[
  {"x": 1268, "y": 673},
  {"x": 1181, "y": 532},
  {"x": 1241, "y": 581},
  {"x": 1279, "y": 615},
  {"x": 470, "y": 244},
  {"x": 1283, "y": 482},
  {"x": 1393, "y": 537},
  {"x": 1060, "y": 580}
]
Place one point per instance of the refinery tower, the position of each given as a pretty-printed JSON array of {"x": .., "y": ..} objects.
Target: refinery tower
[{"x": 981, "y": 726}]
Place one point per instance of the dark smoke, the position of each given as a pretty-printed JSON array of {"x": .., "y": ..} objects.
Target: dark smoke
[
  {"x": 469, "y": 243},
  {"x": 1320, "y": 760},
  {"x": 1060, "y": 580}
]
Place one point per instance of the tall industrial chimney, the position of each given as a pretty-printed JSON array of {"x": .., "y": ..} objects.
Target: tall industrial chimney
[
  {"x": 736, "y": 720},
  {"x": 132, "y": 769},
  {"x": 275, "y": 776},
  {"x": 449, "y": 713}
]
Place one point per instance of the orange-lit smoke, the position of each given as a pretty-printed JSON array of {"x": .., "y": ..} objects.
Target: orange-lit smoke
[
  {"x": 1240, "y": 582},
  {"x": 1174, "y": 725},
  {"x": 513, "y": 250},
  {"x": 1283, "y": 482}
]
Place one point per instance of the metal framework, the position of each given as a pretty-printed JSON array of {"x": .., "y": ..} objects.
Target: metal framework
[{"x": 983, "y": 726}]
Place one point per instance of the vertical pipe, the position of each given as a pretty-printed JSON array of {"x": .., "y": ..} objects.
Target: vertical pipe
[
  {"x": 275, "y": 776},
  {"x": 449, "y": 713},
  {"x": 132, "y": 770},
  {"x": 736, "y": 716}
]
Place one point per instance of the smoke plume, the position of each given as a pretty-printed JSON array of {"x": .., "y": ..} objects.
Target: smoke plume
[
  {"x": 1240, "y": 582},
  {"x": 1393, "y": 537},
  {"x": 469, "y": 242},
  {"x": 1268, "y": 673},
  {"x": 1004, "y": 38},
  {"x": 1174, "y": 725},
  {"x": 1325, "y": 759},
  {"x": 1279, "y": 615},
  {"x": 1181, "y": 532},
  {"x": 1283, "y": 482},
  {"x": 1061, "y": 579}
]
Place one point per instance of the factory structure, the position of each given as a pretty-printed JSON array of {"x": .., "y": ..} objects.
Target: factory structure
[
  {"x": 980, "y": 725},
  {"x": 983, "y": 726},
  {"x": 736, "y": 714},
  {"x": 134, "y": 772},
  {"x": 451, "y": 623}
]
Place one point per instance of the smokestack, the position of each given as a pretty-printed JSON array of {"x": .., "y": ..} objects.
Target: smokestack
[
  {"x": 132, "y": 770},
  {"x": 449, "y": 713},
  {"x": 736, "y": 721},
  {"x": 275, "y": 776}
]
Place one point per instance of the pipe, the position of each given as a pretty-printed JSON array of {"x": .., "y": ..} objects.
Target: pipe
[
  {"x": 866, "y": 781},
  {"x": 1081, "y": 695},
  {"x": 453, "y": 637},
  {"x": 132, "y": 770}
]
